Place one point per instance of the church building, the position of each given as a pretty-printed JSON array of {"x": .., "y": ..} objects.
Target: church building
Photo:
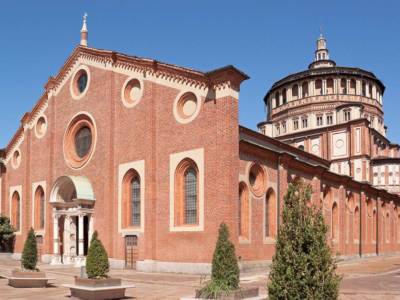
[{"x": 152, "y": 156}]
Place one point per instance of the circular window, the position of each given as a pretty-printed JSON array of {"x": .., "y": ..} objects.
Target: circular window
[
  {"x": 131, "y": 92},
  {"x": 16, "y": 159},
  {"x": 79, "y": 141},
  {"x": 186, "y": 107},
  {"x": 41, "y": 127},
  {"x": 257, "y": 179},
  {"x": 83, "y": 141},
  {"x": 80, "y": 82}
]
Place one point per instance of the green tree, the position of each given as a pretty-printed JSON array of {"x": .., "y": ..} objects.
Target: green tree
[
  {"x": 97, "y": 265},
  {"x": 6, "y": 234},
  {"x": 225, "y": 269},
  {"x": 302, "y": 267},
  {"x": 29, "y": 254}
]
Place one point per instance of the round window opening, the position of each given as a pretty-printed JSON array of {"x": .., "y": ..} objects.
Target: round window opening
[
  {"x": 81, "y": 82},
  {"x": 132, "y": 92},
  {"x": 79, "y": 141},
  {"x": 16, "y": 159},
  {"x": 187, "y": 105},
  {"x": 41, "y": 127},
  {"x": 257, "y": 179}
]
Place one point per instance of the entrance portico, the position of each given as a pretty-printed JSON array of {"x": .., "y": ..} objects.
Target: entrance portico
[{"x": 72, "y": 199}]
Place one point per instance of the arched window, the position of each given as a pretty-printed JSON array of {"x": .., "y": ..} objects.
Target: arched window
[
  {"x": 370, "y": 90},
  {"x": 39, "y": 209},
  {"x": 398, "y": 228},
  {"x": 352, "y": 87},
  {"x": 304, "y": 88},
  {"x": 135, "y": 201},
  {"x": 190, "y": 196},
  {"x": 269, "y": 214},
  {"x": 387, "y": 227},
  {"x": 363, "y": 89},
  {"x": 318, "y": 87},
  {"x": 356, "y": 229},
  {"x": 374, "y": 225},
  {"x": 301, "y": 147},
  {"x": 295, "y": 92},
  {"x": 284, "y": 96},
  {"x": 131, "y": 199},
  {"x": 277, "y": 99},
  {"x": 186, "y": 193},
  {"x": 16, "y": 211},
  {"x": 343, "y": 86},
  {"x": 243, "y": 211},
  {"x": 350, "y": 214},
  {"x": 329, "y": 86},
  {"x": 335, "y": 222}
]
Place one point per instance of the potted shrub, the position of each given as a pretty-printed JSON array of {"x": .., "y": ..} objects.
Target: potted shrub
[
  {"x": 98, "y": 285},
  {"x": 29, "y": 275},
  {"x": 224, "y": 283}
]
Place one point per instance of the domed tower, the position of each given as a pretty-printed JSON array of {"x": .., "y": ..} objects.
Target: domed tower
[{"x": 331, "y": 111}]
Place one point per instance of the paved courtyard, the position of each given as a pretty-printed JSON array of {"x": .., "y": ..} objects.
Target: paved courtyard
[{"x": 369, "y": 278}]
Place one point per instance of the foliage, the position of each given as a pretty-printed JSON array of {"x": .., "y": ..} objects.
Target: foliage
[
  {"x": 97, "y": 265},
  {"x": 225, "y": 269},
  {"x": 6, "y": 234},
  {"x": 29, "y": 254},
  {"x": 302, "y": 267}
]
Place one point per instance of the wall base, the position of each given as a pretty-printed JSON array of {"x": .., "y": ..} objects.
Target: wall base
[{"x": 173, "y": 267}]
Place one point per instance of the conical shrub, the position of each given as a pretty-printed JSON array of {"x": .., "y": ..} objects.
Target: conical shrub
[
  {"x": 302, "y": 267},
  {"x": 29, "y": 254},
  {"x": 97, "y": 265},
  {"x": 225, "y": 269}
]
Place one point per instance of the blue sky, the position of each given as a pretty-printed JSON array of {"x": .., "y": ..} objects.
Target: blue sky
[{"x": 265, "y": 39}]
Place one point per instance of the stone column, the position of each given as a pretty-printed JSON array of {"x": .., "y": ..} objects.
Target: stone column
[
  {"x": 80, "y": 231},
  {"x": 90, "y": 233},
  {"x": 56, "y": 246}
]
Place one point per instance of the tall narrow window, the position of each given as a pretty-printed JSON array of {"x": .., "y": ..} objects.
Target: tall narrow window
[
  {"x": 131, "y": 200},
  {"x": 284, "y": 98},
  {"x": 304, "y": 88},
  {"x": 39, "y": 209},
  {"x": 16, "y": 211},
  {"x": 335, "y": 222},
  {"x": 135, "y": 198},
  {"x": 374, "y": 225},
  {"x": 277, "y": 99},
  {"x": 343, "y": 86},
  {"x": 356, "y": 234},
  {"x": 186, "y": 207},
  {"x": 269, "y": 214},
  {"x": 243, "y": 211},
  {"x": 191, "y": 196}
]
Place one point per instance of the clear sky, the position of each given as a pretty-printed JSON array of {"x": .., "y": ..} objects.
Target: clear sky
[{"x": 265, "y": 39}]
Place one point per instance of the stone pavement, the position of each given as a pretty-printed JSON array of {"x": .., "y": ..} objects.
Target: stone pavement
[{"x": 368, "y": 278}]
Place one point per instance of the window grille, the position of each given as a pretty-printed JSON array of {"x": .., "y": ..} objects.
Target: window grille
[
  {"x": 135, "y": 189},
  {"x": 42, "y": 204},
  {"x": 191, "y": 197}
]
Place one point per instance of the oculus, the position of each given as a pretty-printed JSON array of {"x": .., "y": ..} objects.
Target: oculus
[
  {"x": 257, "y": 179},
  {"x": 79, "y": 141}
]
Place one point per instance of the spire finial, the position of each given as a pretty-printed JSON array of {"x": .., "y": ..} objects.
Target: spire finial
[
  {"x": 320, "y": 32},
  {"x": 84, "y": 31}
]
